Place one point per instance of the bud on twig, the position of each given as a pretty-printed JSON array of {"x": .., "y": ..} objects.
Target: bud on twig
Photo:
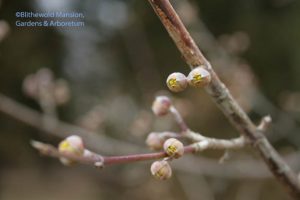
[
  {"x": 174, "y": 148},
  {"x": 161, "y": 170},
  {"x": 199, "y": 77},
  {"x": 155, "y": 141},
  {"x": 72, "y": 145},
  {"x": 177, "y": 82},
  {"x": 161, "y": 105}
]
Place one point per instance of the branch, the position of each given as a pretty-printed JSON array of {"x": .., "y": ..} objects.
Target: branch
[
  {"x": 285, "y": 124},
  {"x": 223, "y": 98},
  {"x": 207, "y": 141},
  {"x": 49, "y": 150},
  {"x": 212, "y": 143},
  {"x": 179, "y": 120},
  {"x": 98, "y": 142},
  {"x": 92, "y": 158},
  {"x": 201, "y": 165}
]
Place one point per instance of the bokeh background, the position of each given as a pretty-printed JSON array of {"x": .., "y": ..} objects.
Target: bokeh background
[{"x": 112, "y": 68}]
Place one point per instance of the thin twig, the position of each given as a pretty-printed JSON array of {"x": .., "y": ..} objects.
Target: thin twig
[
  {"x": 212, "y": 143},
  {"x": 265, "y": 123},
  {"x": 50, "y": 150},
  {"x": 203, "y": 142},
  {"x": 223, "y": 98},
  {"x": 179, "y": 120}
]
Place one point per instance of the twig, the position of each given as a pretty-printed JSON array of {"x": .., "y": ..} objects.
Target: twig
[
  {"x": 211, "y": 143},
  {"x": 221, "y": 95},
  {"x": 265, "y": 123},
  {"x": 50, "y": 150},
  {"x": 179, "y": 120},
  {"x": 203, "y": 142}
]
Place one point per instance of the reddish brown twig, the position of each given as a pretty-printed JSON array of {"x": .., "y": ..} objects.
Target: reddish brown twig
[
  {"x": 92, "y": 158},
  {"x": 95, "y": 159}
]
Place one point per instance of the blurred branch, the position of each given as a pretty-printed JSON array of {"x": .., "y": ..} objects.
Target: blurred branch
[
  {"x": 98, "y": 142},
  {"x": 221, "y": 95}
]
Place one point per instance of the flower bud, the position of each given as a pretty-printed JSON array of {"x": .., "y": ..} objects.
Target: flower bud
[
  {"x": 161, "y": 105},
  {"x": 199, "y": 77},
  {"x": 72, "y": 145},
  {"x": 174, "y": 148},
  {"x": 177, "y": 82},
  {"x": 161, "y": 170},
  {"x": 154, "y": 141}
]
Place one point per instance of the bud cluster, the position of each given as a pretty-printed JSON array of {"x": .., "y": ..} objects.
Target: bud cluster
[
  {"x": 42, "y": 83},
  {"x": 199, "y": 77},
  {"x": 173, "y": 148}
]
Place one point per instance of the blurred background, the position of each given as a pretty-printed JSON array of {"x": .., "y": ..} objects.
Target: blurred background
[{"x": 103, "y": 77}]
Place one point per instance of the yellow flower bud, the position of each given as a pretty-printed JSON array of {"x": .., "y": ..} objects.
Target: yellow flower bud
[
  {"x": 72, "y": 145},
  {"x": 161, "y": 105},
  {"x": 177, "y": 82},
  {"x": 161, "y": 170},
  {"x": 174, "y": 148},
  {"x": 199, "y": 77}
]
